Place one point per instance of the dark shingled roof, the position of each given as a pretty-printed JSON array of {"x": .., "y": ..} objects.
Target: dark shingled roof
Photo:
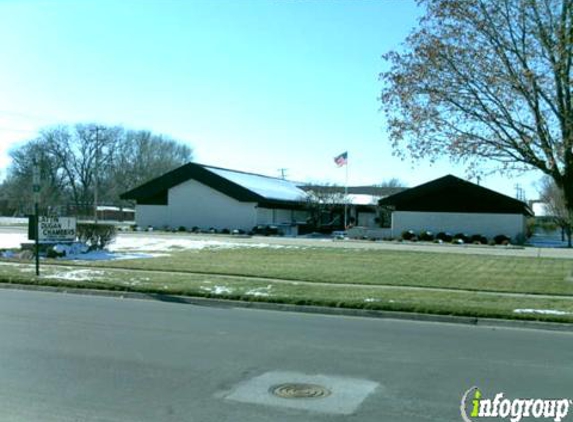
[
  {"x": 452, "y": 194},
  {"x": 228, "y": 182}
]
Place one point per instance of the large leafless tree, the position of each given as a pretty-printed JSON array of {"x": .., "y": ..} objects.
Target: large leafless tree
[
  {"x": 73, "y": 159},
  {"x": 487, "y": 80}
]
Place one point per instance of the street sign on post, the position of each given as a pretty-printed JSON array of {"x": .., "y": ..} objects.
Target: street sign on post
[
  {"x": 36, "y": 189},
  {"x": 36, "y": 186}
]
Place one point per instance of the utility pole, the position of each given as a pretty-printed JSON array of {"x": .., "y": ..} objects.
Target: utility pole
[
  {"x": 96, "y": 173},
  {"x": 283, "y": 172},
  {"x": 519, "y": 192}
]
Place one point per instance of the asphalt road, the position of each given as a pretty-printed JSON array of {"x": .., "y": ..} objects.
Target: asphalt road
[{"x": 79, "y": 358}]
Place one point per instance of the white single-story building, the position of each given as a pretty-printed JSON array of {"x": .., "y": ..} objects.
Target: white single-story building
[
  {"x": 453, "y": 205},
  {"x": 196, "y": 195}
]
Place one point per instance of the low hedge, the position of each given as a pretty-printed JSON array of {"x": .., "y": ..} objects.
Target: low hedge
[
  {"x": 408, "y": 235},
  {"x": 426, "y": 236},
  {"x": 96, "y": 236}
]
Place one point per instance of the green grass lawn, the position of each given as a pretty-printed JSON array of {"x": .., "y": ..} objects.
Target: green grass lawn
[
  {"x": 232, "y": 287},
  {"x": 353, "y": 266},
  {"x": 373, "y": 279}
]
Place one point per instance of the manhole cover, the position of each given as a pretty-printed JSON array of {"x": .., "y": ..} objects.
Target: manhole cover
[{"x": 299, "y": 391}]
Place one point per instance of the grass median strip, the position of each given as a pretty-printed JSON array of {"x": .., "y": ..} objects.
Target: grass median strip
[
  {"x": 232, "y": 287},
  {"x": 372, "y": 267}
]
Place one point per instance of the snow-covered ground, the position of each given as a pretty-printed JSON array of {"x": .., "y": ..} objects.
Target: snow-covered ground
[
  {"x": 12, "y": 221},
  {"x": 169, "y": 244},
  {"x": 12, "y": 240},
  {"x": 260, "y": 291},
  {"x": 77, "y": 275},
  {"x": 141, "y": 246},
  {"x": 166, "y": 243},
  {"x": 217, "y": 290},
  {"x": 541, "y": 311}
]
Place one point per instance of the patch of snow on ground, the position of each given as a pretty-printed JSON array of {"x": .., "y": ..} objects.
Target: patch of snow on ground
[
  {"x": 79, "y": 252},
  {"x": 9, "y": 221},
  {"x": 73, "y": 251},
  {"x": 77, "y": 275},
  {"x": 371, "y": 299},
  {"x": 217, "y": 290},
  {"x": 136, "y": 281},
  {"x": 23, "y": 268},
  {"x": 10, "y": 264},
  {"x": 158, "y": 244},
  {"x": 137, "y": 247},
  {"x": 260, "y": 291},
  {"x": 12, "y": 240},
  {"x": 541, "y": 311}
]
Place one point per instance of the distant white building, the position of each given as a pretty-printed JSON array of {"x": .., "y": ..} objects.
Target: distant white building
[
  {"x": 540, "y": 209},
  {"x": 113, "y": 213},
  {"x": 196, "y": 195}
]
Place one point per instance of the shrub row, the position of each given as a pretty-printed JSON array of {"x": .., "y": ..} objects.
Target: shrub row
[
  {"x": 96, "y": 236},
  {"x": 263, "y": 229},
  {"x": 194, "y": 229},
  {"x": 458, "y": 238}
]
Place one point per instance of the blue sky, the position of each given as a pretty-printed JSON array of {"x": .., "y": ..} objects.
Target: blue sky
[{"x": 250, "y": 85}]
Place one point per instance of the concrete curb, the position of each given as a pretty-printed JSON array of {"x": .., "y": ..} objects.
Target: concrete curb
[{"x": 310, "y": 309}]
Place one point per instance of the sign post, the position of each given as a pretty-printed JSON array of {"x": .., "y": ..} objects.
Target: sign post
[{"x": 36, "y": 189}]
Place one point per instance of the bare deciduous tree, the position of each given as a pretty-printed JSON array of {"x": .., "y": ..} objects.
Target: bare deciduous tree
[
  {"x": 393, "y": 182},
  {"x": 487, "y": 79},
  {"x": 82, "y": 153},
  {"x": 140, "y": 157},
  {"x": 17, "y": 188},
  {"x": 71, "y": 157},
  {"x": 325, "y": 204}
]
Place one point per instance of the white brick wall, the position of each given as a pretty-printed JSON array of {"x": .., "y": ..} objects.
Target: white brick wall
[
  {"x": 194, "y": 204},
  {"x": 151, "y": 215},
  {"x": 489, "y": 225}
]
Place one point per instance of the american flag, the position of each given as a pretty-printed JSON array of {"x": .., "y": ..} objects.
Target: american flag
[{"x": 342, "y": 159}]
